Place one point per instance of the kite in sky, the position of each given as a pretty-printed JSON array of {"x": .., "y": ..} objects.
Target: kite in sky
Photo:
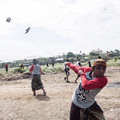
[
  {"x": 27, "y": 30},
  {"x": 8, "y": 19}
]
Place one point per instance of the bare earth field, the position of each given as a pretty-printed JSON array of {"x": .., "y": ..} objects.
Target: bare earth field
[{"x": 18, "y": 103}]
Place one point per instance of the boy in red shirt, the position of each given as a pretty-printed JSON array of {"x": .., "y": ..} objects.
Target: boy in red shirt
[{"x": 83, "y": 105}]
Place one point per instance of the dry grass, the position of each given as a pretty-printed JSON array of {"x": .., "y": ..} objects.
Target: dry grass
[{"x": 17, "y": 102}]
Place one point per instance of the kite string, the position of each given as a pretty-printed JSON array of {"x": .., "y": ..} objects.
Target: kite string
[{"x": 43, "y": 48}]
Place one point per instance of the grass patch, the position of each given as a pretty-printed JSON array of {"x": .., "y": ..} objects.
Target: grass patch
[
  {"x": 57, "y": 68},
  {"x": 113, "y": 63}
]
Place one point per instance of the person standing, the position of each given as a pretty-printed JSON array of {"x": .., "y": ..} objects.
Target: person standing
[
  {"x": 89, "y": 63},
  {"x": 78, "y": 64},
  {"x": 52, "y": 62},
  {"x": 66, "y": 69},
  {"x": 36, "y": 83},
  {"x": 47, "y": 64},
  {"x": 22, "y": 66},
  {"x": 6, "y": 68},
  {"x": 84, "y": 105}
]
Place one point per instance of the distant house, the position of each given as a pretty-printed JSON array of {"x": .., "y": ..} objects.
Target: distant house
[
  {"x": 83, "y": 55},
  {"x": 97, "y": 51},
  {"x": 59, "y": 60}
]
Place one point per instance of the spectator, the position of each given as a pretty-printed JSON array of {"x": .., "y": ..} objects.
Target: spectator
[
  {"x": 89, "y": 63},
  {"x": 22, "y": 66},
  {"x": 6, "y": 68}
]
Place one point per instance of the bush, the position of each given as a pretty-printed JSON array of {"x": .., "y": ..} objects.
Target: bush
[
  {"x": 19, "y": 70},
  {"x": 1, "y": 75},
  {"x": 52, "y": 69}
]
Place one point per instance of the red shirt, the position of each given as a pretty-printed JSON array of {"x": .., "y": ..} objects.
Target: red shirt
[
  {"x": 6, "y": 66},
  {"x": 97, "y": 82},
  {"x": 31, "y": 68}
]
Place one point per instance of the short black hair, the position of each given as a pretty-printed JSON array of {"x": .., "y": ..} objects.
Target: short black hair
[{"x": 35, "y": 61}]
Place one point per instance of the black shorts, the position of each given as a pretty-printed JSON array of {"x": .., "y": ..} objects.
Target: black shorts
[
  {"x": 67, "y": 71},
  {"x": 6, "y": 69}
]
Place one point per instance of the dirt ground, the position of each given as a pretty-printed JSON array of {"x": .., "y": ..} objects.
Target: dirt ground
[{"x": 18, "y": 103}]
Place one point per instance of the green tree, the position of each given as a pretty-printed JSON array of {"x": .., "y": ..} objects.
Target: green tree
[
  {"x": 70, "y": 54},
  {"x": 94, "y": 54}
]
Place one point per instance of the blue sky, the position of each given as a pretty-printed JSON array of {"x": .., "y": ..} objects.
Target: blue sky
[{"x": 57, "y": 27}]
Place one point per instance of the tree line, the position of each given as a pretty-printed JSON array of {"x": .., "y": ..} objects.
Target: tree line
[{"x": 113, "y": 54}]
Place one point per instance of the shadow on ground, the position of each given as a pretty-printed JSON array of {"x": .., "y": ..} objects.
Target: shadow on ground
[
  {"x": 42, "y": 97},
  {"x": 114, "y": 84}
]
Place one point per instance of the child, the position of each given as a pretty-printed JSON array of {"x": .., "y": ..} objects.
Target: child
[{"x": 83, "y": 105}]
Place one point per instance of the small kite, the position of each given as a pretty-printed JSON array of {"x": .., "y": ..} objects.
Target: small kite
[
  {"x": 8, "y": 19},
  {"x": 27, "y": 30}
]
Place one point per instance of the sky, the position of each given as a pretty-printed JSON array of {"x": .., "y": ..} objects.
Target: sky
[{"x": 57, "y": 27}]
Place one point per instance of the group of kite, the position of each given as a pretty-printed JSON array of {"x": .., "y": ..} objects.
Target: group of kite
[{"x": 9, "y": 19}]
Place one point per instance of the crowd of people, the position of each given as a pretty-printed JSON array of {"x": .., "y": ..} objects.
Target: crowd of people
[{"x": 91, "y": 82}]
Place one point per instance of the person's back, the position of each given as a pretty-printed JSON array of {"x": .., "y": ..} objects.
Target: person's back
[
  {"x": 36, "y": 82},
  {"x": 36, "y": 69}
]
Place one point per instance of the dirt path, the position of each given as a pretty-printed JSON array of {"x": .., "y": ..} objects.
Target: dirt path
[{"x": 17, "y": 102}]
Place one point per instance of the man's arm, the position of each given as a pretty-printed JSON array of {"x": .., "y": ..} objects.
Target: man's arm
[
  {"x": 31, "y": 68},
  {"x": 98, "y": 82},
  {"x": 76, "y": 69}
]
